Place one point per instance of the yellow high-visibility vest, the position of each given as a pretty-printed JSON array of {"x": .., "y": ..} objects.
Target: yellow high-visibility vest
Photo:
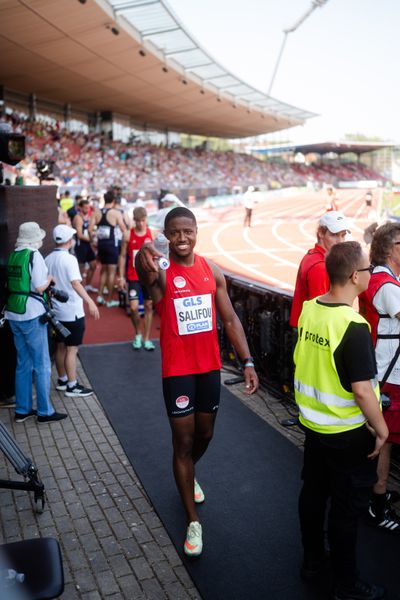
[{"x": 324, "y": 404}]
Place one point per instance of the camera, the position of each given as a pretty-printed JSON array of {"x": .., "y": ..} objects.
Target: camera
[
  {"x": 59, "y": 295},
  {"x": 45, "y": 169},
  {"x": 12, "y": 147},
  {"x": 48, "y": 316}
]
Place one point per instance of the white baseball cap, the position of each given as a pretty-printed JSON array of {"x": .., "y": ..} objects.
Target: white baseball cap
[
  {"x": 335, "y": 221},
  {"x": 170, "y": 198},
  {"x": 63, "y": 233}
]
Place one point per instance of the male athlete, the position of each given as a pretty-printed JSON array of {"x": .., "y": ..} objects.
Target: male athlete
[
  {"x": 186, "y": 296},
  {"x": 132, "y": 241}
]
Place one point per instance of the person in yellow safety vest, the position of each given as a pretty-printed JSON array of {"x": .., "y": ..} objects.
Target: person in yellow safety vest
[
  {"x": 66, "y": 202},
  {"x": 336, "y": 390}
]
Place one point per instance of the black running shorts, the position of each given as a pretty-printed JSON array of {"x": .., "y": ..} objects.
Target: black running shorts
[
  {"x": 134, "y": 289},
  {"x": 77, "y": 329},
  {"x": 84, "y": 253},
  {"x": 107, "y": 252},
  {"x": 186, "y": 394}
]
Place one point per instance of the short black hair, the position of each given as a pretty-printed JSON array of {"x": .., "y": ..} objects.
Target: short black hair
[
  {"x": 179, "y": 211},
  {"x": 109, "y": 197}
]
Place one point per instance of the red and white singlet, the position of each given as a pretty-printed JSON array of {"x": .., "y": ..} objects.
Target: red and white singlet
[
  {"x": 134, "y": 245},
  {"x": 188, "y": 335}
]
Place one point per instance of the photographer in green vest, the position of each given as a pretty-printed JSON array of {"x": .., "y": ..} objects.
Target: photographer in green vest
[
  {"x": 27, "y": 279},
  {"x": 337, "y": 392}
]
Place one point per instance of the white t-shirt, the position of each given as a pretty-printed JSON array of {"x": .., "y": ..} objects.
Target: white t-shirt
[
  {"x": 387, "y": 301},
  {"x": 39, "y": 273},
  {"x": 65, "y": 268},
  {"x": 248, "y": 199}
]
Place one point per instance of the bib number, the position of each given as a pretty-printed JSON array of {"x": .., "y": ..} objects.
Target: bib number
[{"x": 194, "y": 314}]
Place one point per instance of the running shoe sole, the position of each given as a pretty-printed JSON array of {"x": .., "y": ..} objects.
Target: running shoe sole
[
  {"x": 199, "y": 496},
  {"x": 78, "y": 394}
]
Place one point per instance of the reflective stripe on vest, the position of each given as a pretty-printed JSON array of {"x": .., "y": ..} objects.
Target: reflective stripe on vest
[
  {"x": 325, "y": 405},
  {"x": 315, "y": 416},
  {"x": 321, "y": 397}
]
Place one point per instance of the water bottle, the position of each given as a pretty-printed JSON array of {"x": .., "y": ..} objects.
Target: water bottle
[
  {"x": 10, "y": 577},
  {"x": 161, "y": 244}
]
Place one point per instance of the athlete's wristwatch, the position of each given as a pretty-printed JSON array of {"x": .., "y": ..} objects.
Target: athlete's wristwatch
[{"x": 248, "y": 362}]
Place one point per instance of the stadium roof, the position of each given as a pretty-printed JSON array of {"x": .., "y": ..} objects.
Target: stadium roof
[
  {"x": 326, "y": 148},
  {"x": 131, "y": 57}
]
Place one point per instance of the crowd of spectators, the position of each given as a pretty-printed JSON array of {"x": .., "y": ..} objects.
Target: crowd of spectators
[{"x": 93, "y": 162}]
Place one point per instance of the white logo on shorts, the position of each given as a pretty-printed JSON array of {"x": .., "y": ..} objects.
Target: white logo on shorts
[
  {"x": 133, "y": 294},
  {"x": 182, "y": 401},
  {"x": 179, "y": 282}
]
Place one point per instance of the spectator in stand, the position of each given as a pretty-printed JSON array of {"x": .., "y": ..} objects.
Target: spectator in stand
[
  {"x": 312, "y": 278},
  {"x": 94, "y": 162},
  {"x": 380, "y": 305},
  {"x": 107, "y": 219},
  {"x": 84, "y": 223},
  {"x": 132, "y": 242},
  {"x": 71, "y": 314}
]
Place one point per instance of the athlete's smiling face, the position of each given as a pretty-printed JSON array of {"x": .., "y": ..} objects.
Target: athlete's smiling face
[{"x": 182, "y": 234}]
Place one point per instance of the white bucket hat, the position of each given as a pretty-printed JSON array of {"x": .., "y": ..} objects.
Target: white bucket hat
[{"x": 30, "y": 233}]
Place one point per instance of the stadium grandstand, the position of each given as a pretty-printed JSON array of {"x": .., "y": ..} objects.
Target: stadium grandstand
[{"x": 104, "y": 90}]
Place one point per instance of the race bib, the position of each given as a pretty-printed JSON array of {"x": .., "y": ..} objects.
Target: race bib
[
  {"x": 194, "y": 314},
  {"x": 103, "y": 232}
]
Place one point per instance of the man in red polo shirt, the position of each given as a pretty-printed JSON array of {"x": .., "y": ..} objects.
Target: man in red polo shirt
[{"x": 312, "y": 278}]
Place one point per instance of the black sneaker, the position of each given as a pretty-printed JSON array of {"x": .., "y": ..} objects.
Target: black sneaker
[
  {"x": 21, "y": 417},
  {"x": 61, "y": 385},
  {"x": 312, "y": 566},
  {"x": 50, "y": 418},
  {"x": 77, "y": 390},
  {"x": 391, "y": 495},
  {"x": 388, "y": 522},
  {"x": 360, "y": 590},
  {"x": 7, "y": 404}
]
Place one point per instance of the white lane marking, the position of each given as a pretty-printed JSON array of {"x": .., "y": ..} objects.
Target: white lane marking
[{"x": 244, "y": 266}]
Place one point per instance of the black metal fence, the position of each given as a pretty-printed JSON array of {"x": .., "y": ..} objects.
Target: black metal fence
[{"x": 264, "y": 314}]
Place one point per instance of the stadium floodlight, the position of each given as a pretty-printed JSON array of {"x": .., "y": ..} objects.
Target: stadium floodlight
[{"x": 315, "y": 4}]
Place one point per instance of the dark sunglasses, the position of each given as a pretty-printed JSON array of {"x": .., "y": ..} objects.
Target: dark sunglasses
[{"x": 370, "y": 268}]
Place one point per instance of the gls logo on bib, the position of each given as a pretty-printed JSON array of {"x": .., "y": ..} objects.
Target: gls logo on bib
[{"x": 194, "y": 314}]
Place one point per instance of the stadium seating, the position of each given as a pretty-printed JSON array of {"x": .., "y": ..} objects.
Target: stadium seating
[{"x": 93, "y": 162}]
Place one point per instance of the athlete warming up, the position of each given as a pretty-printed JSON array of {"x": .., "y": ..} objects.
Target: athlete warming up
[{"x": 186, "y": 296}]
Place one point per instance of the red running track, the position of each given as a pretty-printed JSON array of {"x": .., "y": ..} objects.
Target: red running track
[{"x": 283, "y": 228}]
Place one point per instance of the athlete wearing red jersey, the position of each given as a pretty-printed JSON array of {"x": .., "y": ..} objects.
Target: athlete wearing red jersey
[
  {"x": 187, "y": 296},
  {"x": 132, "y": 241},
  {"x": 312, "y": 278}
]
